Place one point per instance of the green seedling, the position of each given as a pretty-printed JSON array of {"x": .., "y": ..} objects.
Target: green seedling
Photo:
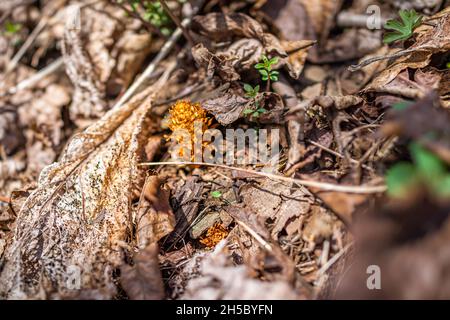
[
  {"x": 402, "y": 105},
  {"x": 426, "y": 169},
  {"x": 265, "y": 68},
  {"x": 12, "y": 28},
  {"x": 252, "y": 92},
  {"x": 153, "y": 13},
  {"x": 402, "y": 30},
  {"x": 216, "y": 194}
]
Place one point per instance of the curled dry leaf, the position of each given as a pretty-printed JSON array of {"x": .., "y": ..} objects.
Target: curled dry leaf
[
  {"x": 143, "y": 280},
  {"x": 79, "y": 215},
  {"x": 154, "y": 218},
  {"x": 242, "y": 54},
  {"x": 215, "y": 64},
  {"x": 226, "y": 108}
]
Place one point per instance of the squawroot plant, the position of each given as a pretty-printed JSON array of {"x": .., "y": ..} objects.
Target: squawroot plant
[{"x": 402, "y": 30}]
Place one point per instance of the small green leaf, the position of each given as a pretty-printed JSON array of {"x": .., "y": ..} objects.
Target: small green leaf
[
  {"x": 247, "y": 111},
  {"x": 273, "y": 77},
  {"x": 216, "y": 194},
  {"x": 264, "y": 72},
  {"x": 402, "y": 30},
  {"x": 255, "y": 114},
  {"x": 274, "y": 60},
  {"x": 259, "y": 66},
  {"x": 400, "y": 178},
  {"x": 443, "y": 186},
  {"x": 265, "y": 59},
  {"x": 261, "y": 110},
  {"x": 402, "y": 105},
  {"x": 428, "y": 165},
  {"x": 12, "y": 28},
  {"x": 248, "y": 88},
  {"x": 256, "y": 89}
]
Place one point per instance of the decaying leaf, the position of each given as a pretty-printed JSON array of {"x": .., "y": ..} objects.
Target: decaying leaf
[
  {"x": 225, "y": 27},
  {"x": 143, "y": 281},
  {"x": 154, "y": 217},
  {"x": 226, "y": 108},
  {"x": 76, "y": 219},
  {"x": 219, "y": 64}
]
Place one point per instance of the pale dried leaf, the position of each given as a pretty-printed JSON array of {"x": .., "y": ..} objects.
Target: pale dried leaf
[
  {"x": 143, "y": 280},
  {"x": 80, "y": 212}
]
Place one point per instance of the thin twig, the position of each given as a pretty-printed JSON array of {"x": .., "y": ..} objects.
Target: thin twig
[
  {"x": 23, "y": 49},
  {"x": 152, "y": 66},
  {"x": 150, "y": 27},
  {"x": 35, "y": 78},
  {"x": 177, "y": 22},
  {"x": 308, "y": 183},
  {"x": 255, "y": 235},
  {"x": 333, "y": 260},
  {"x": 368, "y": 61},
  {"x": 339, "y": 155},
  {"x": 5, "y": 199}
]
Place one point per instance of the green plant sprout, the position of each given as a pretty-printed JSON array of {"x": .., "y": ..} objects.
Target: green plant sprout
[
  {"x": 12, "y": 28},
  {"x": 252, "y": 93},
  {"x": 154, "y": 14},
  {"x": 402, "y": 30},
  {"x": 216, "y": 194},
  {"x": 426, "y": 170},
  {"x": 265, "y": 69},
  {"x": 402, "y": 105}
]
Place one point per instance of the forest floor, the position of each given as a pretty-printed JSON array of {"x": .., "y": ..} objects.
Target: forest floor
[{"x": 112, "y": 187}]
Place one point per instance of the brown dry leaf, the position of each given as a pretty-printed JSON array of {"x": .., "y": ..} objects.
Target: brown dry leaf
[
  {"x": 226, "y": 108},
  {"x": 89, "y": 92},
  {"x": 417, "y": 88},
  {"x": 185, "y": 202},
  {"x": 215, "y": 64},
  {"x": 143, "y": 280},
  {"x": 154, "y": 217},
  {"x": 322, "y": 13},
  {"x": 11, "y": 137},
  {"x": 45, "y": 127},
  {"x": 221, "y": 28},
  {"x": 291, "y": 19},
  {"x": 80, "y": 213},
  {"x": 297, "y": 54}
]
